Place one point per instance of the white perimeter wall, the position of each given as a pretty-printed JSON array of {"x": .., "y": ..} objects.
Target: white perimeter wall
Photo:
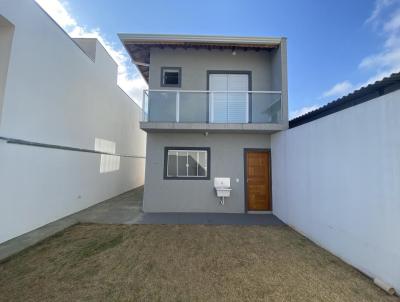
[
  {"x": 337, "y": 180},
  {"x": 56, "y": 94}
]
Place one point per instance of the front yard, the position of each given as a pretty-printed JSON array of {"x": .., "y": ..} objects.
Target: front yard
[{"x": 90, "y": 262}]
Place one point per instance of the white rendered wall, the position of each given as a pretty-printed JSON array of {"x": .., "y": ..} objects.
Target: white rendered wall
[
  {"x": 6, "y": 37},
  {"x": 337, "y": 180},
  {"x": 56, "y": 94}
]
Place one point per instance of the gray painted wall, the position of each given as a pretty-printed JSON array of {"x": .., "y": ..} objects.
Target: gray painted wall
[
  {"x": 268, "y": 72},
  {"x": 195, "y": 64},
  {"x": 279, "y": 80},
  {"x": 198, "y": 195}
]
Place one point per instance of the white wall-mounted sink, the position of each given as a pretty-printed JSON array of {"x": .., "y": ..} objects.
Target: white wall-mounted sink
[{"x": 222, "y": 186}]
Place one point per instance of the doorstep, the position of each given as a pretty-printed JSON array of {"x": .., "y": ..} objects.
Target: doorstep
[{"x": 208, "y": 218}]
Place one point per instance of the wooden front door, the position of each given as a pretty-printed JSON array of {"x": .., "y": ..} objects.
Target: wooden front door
[{"x": 258, "y": 180}]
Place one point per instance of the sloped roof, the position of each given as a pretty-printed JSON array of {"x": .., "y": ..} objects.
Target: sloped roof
[{"x": 364, "y": 94}]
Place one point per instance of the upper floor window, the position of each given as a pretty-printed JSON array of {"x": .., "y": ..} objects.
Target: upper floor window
[{"x": 171, "y": 76}]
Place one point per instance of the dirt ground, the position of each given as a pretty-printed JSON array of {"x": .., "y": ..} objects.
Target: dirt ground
[{"x": 91, "y": 262}]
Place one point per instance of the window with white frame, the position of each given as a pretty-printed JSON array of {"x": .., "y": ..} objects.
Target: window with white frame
[{"x": 186, "y": 163}]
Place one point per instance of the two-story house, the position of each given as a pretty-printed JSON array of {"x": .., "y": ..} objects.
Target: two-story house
[{"x": 211, "y": 106}]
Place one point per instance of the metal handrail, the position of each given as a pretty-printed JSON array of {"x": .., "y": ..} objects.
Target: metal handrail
[{"x": 214, "y": 91}]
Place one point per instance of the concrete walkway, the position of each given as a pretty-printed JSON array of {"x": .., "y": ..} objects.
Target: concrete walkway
[
  {"x": 122, "y": 209},
  {"x": 127, "y": 209}
]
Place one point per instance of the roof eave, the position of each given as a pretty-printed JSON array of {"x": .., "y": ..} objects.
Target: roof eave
[
  {"x": 149, "y": 38},
  {"x": 196, "y": 41}
]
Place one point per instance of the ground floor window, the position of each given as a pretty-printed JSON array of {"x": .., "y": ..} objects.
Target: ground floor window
[{"x": 186, "y": 163}]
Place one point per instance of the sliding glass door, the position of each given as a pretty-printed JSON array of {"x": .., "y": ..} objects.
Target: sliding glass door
[{"x": 229, "y": 98}]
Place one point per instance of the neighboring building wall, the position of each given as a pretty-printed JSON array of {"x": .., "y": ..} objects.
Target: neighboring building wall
[
  {"x": 6, "y": 37},
  {"x": 56, "y": 94},
  {"x": 337, "y": 180},
  {"x": 226, "y": 153}
]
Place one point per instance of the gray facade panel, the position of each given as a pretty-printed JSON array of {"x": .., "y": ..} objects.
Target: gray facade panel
[
  {"x": 268, "y": 70},
  {"x": 226, "y": 152},
  {"x": 196, "y": 63}
]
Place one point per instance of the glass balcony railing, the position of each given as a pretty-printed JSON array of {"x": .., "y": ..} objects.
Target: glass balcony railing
[{"x": 193, "y": 106}]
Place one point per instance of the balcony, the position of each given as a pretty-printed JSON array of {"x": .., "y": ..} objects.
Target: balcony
[{"x": 195, "y": 110}]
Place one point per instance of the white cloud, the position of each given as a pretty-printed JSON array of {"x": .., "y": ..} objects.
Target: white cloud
[
  {"x": 339, "y": 90},
  {"x": 387, "y": 60},
  {"x": 385, "y": 18},
  {"x": 295, "y": 113},
  {"x": 380, "y": 5},
  {"x": 393, "y": 24},
  {"x": 128, "y": 79},
  {"x": 58, "y": 12}
]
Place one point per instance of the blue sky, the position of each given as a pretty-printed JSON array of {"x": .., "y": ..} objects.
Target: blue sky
[{"x": 334, "y": 47}]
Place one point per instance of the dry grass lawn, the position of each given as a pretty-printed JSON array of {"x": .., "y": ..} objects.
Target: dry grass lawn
[{"x": 181, "y": 263}]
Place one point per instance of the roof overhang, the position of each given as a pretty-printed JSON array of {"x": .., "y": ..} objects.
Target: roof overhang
[{"x": 138, "y": 45}]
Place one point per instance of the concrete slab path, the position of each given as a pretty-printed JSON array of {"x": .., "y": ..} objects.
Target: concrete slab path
[{"x": 121, "y": 209}]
